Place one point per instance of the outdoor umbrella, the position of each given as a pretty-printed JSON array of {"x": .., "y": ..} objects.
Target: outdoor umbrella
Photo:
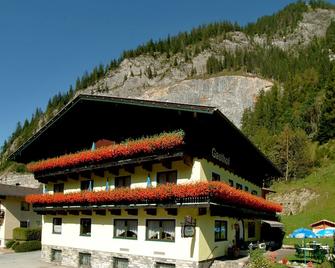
[
  {"x": 303, "y": 233},
  {"x": 325, "y": 233}
]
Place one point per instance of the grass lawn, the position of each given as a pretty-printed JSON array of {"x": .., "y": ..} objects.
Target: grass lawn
[{"x": 321, "y": 181}]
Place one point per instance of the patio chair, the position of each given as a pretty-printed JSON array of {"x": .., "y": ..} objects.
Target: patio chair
[
  {"x": 320, "y": 254},
  {"x": 298, "y": 251}
]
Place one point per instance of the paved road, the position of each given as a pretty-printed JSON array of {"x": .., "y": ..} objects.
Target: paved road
[{"x": 24, "y": 260}]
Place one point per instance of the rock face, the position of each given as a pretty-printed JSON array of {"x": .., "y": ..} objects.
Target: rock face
[{"x": 294, "y": 201}]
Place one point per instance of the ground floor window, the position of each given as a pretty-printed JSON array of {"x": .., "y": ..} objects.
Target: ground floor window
[
  {"x": 220, "y": 230},
  {"x": 164, "y": 265},
  {"x": 84, "y": 259},
  {"x": 85, "y": 227},
  {"x": 56, "y": 255},
  {"x": 125, "y": 229},
  {"x": 251, "y": 229},
  {"x": 57, "y": 225},
  {"x": 120, "y": 263},
  {"x": 161, "y": 230}
]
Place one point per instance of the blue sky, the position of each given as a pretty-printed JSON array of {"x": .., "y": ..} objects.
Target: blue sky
[{"x": 46, "y": 45}]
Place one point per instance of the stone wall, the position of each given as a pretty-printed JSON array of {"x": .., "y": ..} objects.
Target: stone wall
[
  {"x": 102, "y": 259},
  {"x": 25, "y": 180}
]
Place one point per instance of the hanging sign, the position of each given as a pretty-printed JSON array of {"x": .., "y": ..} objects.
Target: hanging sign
[
  {"x": 188, "y": 227},
  {"x": 220, "y": 156}
]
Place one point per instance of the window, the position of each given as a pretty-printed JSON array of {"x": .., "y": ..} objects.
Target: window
[
  {"x": 239, "y": 186},
  {"x": 56, "y": 255},
  {"x": 164, "y": 265},
  {"x": 254, "y": 192},
  {"x": 120, "y": 263},
  {"x": 167, "y": 177},
  {"x": 58, "y": 187},
  {"x": 246, "y": 188},
  {"x": 24, "y": 224},
  {"x": 125, "y": 228},
  {"x": 57, "y": 225},
  {"x": 86, "y": 185},
  {"x": 231, "y": 183},
  {"x": 123, "y": 181},
  {"x": 251, "y": 229},
  {"x": 215, "y": 177},
  {"x": 25, "y": 206},
  {"x": 220, "y": 231},
  {"x": 84, "y": 259},
  {"x": 85, "y": 227},
  {"x": 161, "y": 230}
]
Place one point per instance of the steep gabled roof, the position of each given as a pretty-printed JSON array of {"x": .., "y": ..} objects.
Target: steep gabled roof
[{"x": 89, "y": 118}]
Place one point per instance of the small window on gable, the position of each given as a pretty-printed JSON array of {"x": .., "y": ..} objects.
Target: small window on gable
[
  {"x": 231, "y": 183},
  {"x": 123, "y": 181},
  {"x": 167, "y": 177},
  {"x": 215, "y": 176},
  {"x": 86, "y": 185}
]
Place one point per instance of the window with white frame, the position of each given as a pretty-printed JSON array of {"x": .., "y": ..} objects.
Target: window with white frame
[
  {"x": 125, "y": 228},
  {"x": 161, "y": 230},
  {"x": 57, "y": 225}
]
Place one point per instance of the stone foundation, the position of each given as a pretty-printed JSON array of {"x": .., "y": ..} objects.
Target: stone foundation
[{"x": 102, "y": 259}]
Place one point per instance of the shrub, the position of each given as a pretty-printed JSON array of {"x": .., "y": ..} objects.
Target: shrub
[
  {"x": 16, "y": 243},
  {"x": 257, "y": 259},
  {"x": 27, "y": 234},
  {"x": 10, "y": 243},
  {"x": 28, "y": 246}
]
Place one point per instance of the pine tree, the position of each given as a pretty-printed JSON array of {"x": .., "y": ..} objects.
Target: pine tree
[{"x": 327, "y": 120}]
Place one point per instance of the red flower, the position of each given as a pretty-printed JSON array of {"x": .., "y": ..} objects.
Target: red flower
[
  {"x": 164, "y": 141},
  {"x": 164, "y": 193}
]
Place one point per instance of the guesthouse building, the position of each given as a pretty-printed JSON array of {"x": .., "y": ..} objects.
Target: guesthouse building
[{"x": 135, "y": 183}]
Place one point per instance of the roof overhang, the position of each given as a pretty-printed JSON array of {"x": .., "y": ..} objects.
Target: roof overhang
[
  {"x": 88, "y": 118},
  {"x": 274, "y": 224}
]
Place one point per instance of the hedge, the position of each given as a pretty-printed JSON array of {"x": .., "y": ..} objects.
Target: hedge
[
  {"x": 10, "y": 243},
  {"x": 27, "y": 234},
  {"x": 28, "y": 246}
]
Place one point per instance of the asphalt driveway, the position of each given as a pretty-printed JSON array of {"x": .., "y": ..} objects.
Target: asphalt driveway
[{"x": 24, "y": 260}]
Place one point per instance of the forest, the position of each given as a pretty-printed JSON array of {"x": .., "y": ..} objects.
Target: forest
[{"x": 293, "y": 123}]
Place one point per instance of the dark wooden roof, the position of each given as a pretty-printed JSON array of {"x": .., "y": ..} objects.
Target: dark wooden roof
[
  {"x": 17, "y": 191},
  {"x": 88, "y": 118}
]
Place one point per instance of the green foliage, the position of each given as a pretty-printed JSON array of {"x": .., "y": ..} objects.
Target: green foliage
[
  {"x": 27, "y": 234},
  {"x": 10, "y": 243},
  {"x": 258, "y": 259},
  {"x": 322, "y": 183},
  {"x": 213, "y": 65},
  {"x": 15, "y": 244},
  {"x": 28, "y": 246}
]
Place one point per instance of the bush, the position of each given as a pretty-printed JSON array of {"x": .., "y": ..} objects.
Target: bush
[
  {"x": 16, "y": 243},
  {"x": 257, "y": 259},
  {"x": 28, "y": 246},
  {"x": 27, "y": 234},
  {"x": 10, "y": 243}
]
